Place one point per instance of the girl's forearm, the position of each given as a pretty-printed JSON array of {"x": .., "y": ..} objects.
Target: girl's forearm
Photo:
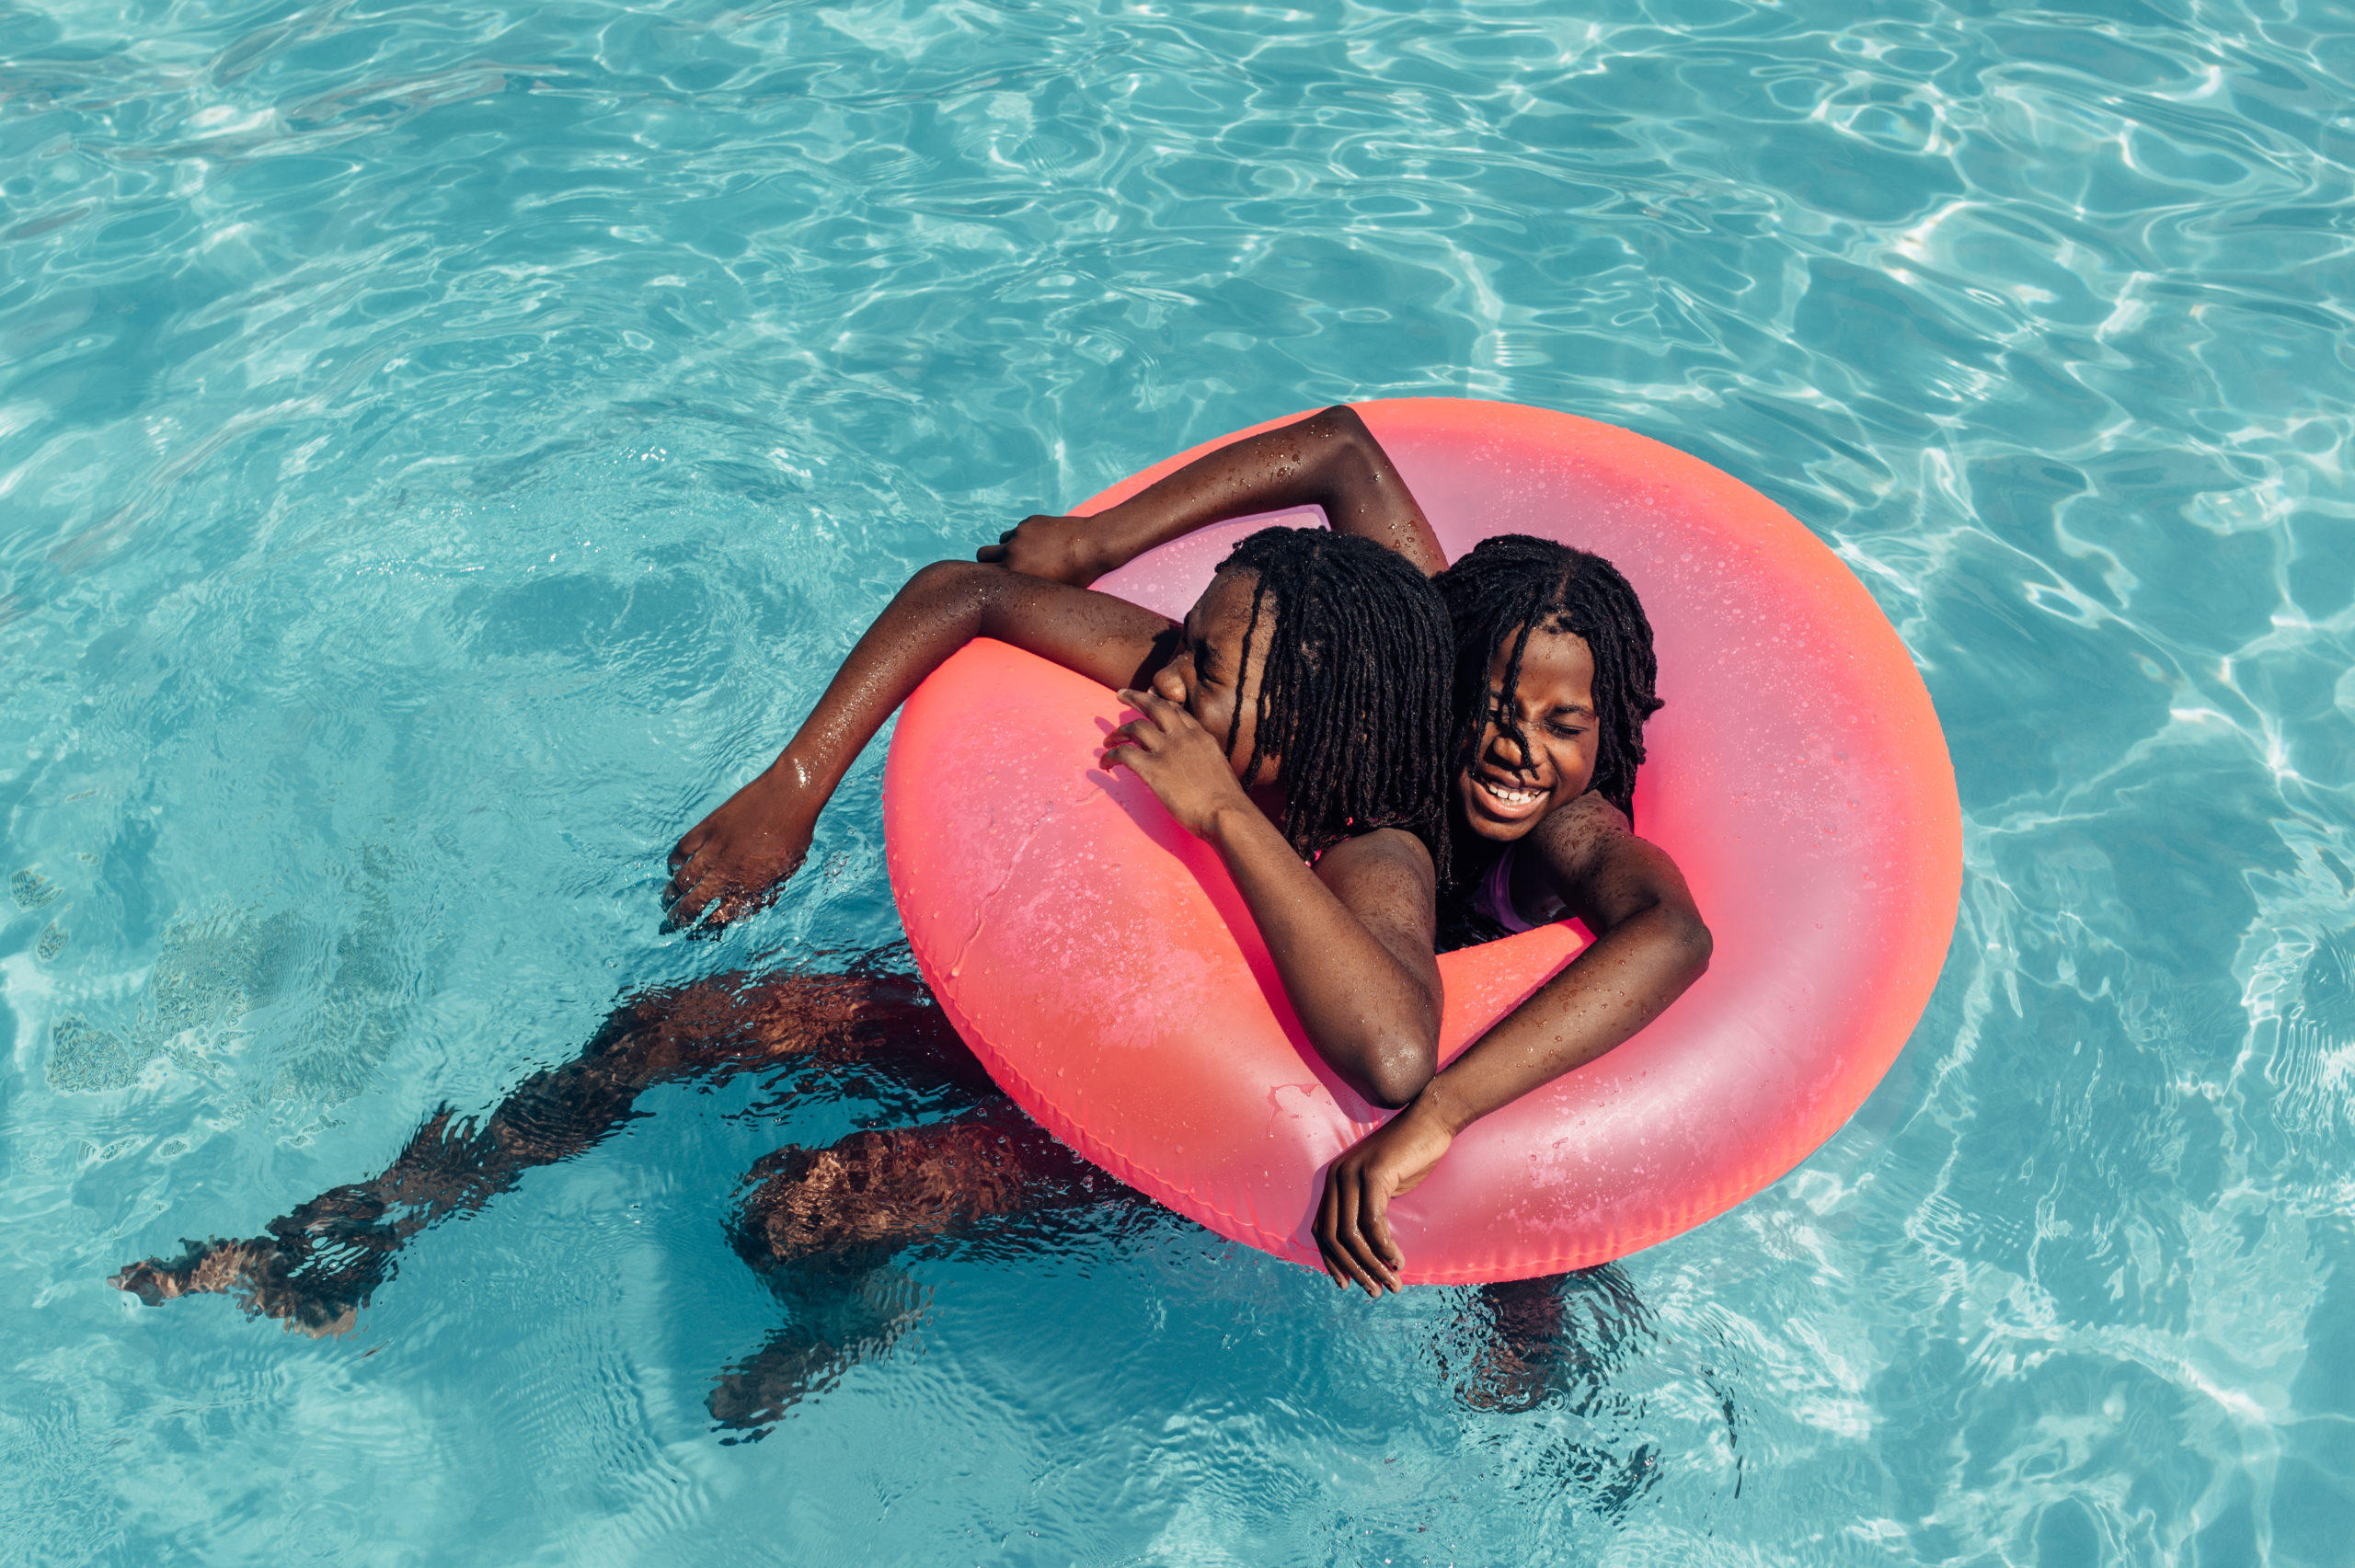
[
  {"x": 1371, "y": 1020},
  {"x": 942, "y": 607},
  {"x": 1621, "y": 983},
  {"x": 936, "y": 613},
  {"x": 1328, "y": 459},
  {"x": 760, "y": 835}
]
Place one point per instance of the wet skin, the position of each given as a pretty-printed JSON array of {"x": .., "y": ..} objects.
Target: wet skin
[
  {"x": 897, "y": 1190},
  {"x": 824, "y": 1226},
  {"x": 735, "y": 858},
  {"x": 1350, "y": 938},
  {"x": 876, "y": 1032},
  {"x": 820, "y": 1224},
  {"x": 1579, "y": 858}
]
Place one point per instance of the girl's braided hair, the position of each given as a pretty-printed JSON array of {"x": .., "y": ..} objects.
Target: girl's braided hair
[
  {"x": 1353, "y": 694},
  {"x": 1512, "y": 585}
]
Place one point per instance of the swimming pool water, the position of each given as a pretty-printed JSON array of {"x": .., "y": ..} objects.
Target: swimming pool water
[{"x": 444, "y": 446}]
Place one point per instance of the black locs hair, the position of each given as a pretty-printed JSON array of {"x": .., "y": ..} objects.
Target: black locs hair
[
  {"x": 1353, "y": 691},
  {"x": 1512, "y": 585}
]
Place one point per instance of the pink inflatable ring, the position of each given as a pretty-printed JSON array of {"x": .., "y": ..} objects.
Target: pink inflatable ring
[{"x": 1099, "y": 962}]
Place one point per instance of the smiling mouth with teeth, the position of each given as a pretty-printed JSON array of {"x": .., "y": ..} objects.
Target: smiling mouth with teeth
[{"x": 1509, "y": 795}]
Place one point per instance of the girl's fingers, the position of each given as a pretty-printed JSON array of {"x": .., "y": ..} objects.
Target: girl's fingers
[
  {"x": 1377, "y": 1231},
  {"x": 1353, "y": 1275},
  {"x": 1376, "y": 1270},
  {"x": 1338, "y": 1262},
  {"x": 1360, "y": 1203},
  {"x": 1352, "y": 1245},
  {"x": 1153, "y": 704},
  {"x": 1352, "y": 1230},
  {"x": 1327, "y": 1239},
  {"x": 1126, "y": 740},
  {"x": 1332, "y": 1269},
  {"x": 1323, "y": 1230}
]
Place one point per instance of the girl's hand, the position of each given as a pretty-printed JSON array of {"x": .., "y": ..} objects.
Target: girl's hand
[
  {"x": 1171, "y": 750},
  {"x": 1354, "y": 1223},
  {"x": 729, "y": 863},
  {"x": 1056, "y": 548}
]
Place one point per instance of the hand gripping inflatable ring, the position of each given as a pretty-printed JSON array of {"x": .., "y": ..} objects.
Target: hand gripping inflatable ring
[{"x": 1102, "y": 966}]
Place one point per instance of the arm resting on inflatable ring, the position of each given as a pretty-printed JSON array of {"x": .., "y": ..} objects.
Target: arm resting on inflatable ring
[
  {"x": 1328, "y": 459},
  {"x": 1650, "y": 945},
  {"x": 1375, "y": 1023},
  {"x": 1350, "y": 937}
]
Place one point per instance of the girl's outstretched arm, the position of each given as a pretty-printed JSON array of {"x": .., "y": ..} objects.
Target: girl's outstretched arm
[
  {"x": 1650, "y": 944},
  {"x": 728, "y": 862},
  {"x": 1328, "y": 459}
]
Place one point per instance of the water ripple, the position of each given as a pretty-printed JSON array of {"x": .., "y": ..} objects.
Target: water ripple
[{"x": 443, "y": 445}]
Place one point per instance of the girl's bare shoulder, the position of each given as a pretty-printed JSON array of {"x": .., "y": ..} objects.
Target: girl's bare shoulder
[
  {"x": 1577, "y": 837},
  {"x": 1591, "y": 858},
  {"x": 1385, "y": 851}
]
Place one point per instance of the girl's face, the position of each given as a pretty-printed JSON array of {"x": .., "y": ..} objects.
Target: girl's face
[
  {"x": 1509, "y": 789},
  {"x": 1211, "y": 674}
]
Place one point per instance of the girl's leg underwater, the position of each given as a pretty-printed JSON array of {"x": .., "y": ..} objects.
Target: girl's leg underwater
[
  {"x": 316, "y": 1266},
  {"x": 1560, "y": 1335},
  {"x": 820, "y": 1224},
  {"x": 876, "y": 1193}
]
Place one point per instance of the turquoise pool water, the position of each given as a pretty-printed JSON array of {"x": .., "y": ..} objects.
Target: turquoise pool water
[{"x": 444, "y": 446}]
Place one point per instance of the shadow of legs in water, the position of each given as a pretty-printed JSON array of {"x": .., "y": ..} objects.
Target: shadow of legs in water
[
  {"x": 819, "y": 1222},
  {"x": 839, "y": 1316},
  {"x": 315, "y": 1268},
  {"x": 1560, "y": 1336}
]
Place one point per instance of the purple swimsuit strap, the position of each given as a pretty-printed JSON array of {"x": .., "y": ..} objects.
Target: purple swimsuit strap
[{"x": 1496, "y": 895}]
